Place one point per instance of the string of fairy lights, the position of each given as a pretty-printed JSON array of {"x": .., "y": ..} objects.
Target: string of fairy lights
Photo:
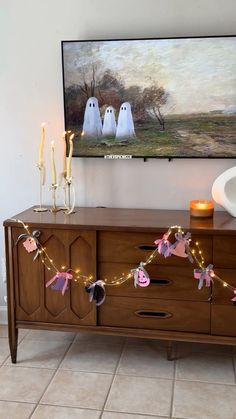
[{"x": 194, "y": 252}]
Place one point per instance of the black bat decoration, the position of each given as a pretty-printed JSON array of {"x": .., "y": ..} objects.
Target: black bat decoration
[{"x": 96, "y": 292}]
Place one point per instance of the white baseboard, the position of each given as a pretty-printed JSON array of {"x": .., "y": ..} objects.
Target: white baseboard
[{"x": 3, "y": 314}]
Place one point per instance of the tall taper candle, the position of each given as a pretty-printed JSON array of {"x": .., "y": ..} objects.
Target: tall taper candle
[
  {"x": 64, "y": 154},
  {"x": 54, "y": 176},
  {"x": 68, "y": 175},
  {"x": 41, "y": 146}
]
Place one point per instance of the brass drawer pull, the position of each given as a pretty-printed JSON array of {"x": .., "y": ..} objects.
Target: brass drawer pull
[
  {"x": 149, "y": 247},
  {"x": 149, "y": 313},
  {"x": 160, "y": 281}
]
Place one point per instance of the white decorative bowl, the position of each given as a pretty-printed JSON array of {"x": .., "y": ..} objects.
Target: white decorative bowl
[{"x": 224, "y": 190}]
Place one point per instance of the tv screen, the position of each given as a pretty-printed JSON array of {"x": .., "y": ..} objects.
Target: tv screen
[{"x": 173, "y": 97}]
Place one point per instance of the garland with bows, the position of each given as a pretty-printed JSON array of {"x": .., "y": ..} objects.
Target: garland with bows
[{"x": 183, "y": 246}]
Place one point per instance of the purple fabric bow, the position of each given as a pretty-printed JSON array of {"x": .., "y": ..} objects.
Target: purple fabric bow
[
  {"x": 96, "y": 292},
  {"x": 62, "y": 279},
  {"x": 204, "y": 275},
  {"x": 163, "y": 245}
]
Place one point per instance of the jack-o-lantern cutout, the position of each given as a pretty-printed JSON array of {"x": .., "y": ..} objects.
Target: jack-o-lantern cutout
[{"x": 141, "y": 277}]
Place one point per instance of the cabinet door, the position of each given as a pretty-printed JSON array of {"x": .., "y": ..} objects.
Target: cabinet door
[{"x": 75, "y": 249}]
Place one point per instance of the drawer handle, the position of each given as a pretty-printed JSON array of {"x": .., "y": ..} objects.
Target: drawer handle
[
  {"x": 149, "y": 247},
  {"x": 160, "y": 281},
  {"x": 149, "y": 313}
]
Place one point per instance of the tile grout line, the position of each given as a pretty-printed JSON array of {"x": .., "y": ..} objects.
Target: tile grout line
[
  {"x": 113, "y": 378},
  {"x": 53, "y": 375},
  {"x": 16, "y": 401},
  {"x": 65, "y": 405},
  {"x": 173, "y": 384},
  {"x": 149, "y": 415},
  {"x": 206, "y": 382}
]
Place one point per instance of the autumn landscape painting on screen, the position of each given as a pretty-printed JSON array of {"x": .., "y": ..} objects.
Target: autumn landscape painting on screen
[{"x": 151, "y": 98}]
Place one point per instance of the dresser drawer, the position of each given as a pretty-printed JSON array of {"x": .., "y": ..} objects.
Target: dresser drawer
[
  {"x": 221, "y": 294},
  {"x": 224, "y": 251},
  {"x": 223, "y": 320},
  {"x": 129, "y": 247},
  {"x": 167, "y": 282},
  {"x": 157, "y": 314}
]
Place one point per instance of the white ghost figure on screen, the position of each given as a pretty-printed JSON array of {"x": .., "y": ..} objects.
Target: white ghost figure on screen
[
  {"x": 125, "y": 124},
  {"x": 92, "y": 126},
  {"x": 109, "y": 123}
]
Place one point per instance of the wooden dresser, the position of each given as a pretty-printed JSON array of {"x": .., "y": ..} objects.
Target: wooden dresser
[{"x": 105, "y": 243}]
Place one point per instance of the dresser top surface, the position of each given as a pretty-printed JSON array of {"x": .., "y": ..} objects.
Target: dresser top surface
[{"x": 126, "y": 219}]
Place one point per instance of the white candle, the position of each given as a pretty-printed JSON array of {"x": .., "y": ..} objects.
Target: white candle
[
  {"x": 54, "y": 176},
  {"x": 41, "y": 146},
  {"x": 70, "y": 157},
  {"x": 64, "y": 153}
]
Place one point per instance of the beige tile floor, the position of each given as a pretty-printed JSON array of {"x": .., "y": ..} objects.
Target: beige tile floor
[{"x": 67, "y": 376}]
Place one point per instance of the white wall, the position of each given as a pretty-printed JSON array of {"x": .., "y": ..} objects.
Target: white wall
[{"x": 31, "y": 92}]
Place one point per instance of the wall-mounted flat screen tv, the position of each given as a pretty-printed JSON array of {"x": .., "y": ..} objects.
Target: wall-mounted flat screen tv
[{"x": 172, "y": 97}]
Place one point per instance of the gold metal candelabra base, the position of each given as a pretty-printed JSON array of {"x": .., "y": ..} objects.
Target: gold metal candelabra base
[{"x": 40, "y": 209}]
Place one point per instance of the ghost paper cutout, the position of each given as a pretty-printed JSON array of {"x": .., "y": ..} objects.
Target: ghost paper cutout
[
  {"x": 164, "y": 245},
  {"x": 181, "y": 246},
  {"x": 92, "y": 126},
  {"x": 180, "y": 250},
  {"x": 30, "y": 244},
  {"x": 125, "y": 124},
  {"x": 109, "y": 122}
]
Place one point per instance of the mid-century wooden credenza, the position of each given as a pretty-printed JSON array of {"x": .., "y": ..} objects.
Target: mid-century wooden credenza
[{"x": 105, "y": 243}]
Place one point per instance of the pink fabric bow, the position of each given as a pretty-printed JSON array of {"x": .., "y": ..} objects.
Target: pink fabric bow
[
  {"x": 204, "y": 274},
  {"x": 64, "y": 276},
  {"x": 234, "y": 299}
]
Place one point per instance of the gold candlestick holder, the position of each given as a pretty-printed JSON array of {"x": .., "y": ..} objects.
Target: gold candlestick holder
[
  {"x": 69, "y": 192},
  {"x": 62, "y": 185},
  {"x": 41, "y": 168},
  {"x": 54, "y": 204}
]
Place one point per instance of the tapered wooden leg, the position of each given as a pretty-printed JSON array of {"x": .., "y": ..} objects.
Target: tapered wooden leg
[
  {"x": 169, "y": 350},
  {"x": 12, "y": 330},
  {"x": 13, "y": 340}
]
